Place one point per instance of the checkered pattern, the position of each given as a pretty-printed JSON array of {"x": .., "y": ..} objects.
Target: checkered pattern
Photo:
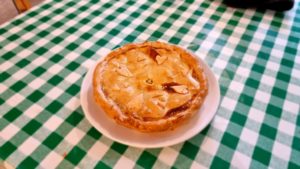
[{"x": 45, "y": 53}]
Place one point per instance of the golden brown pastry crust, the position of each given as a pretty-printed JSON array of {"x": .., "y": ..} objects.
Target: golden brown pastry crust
[{"x": 167, "y": 117}]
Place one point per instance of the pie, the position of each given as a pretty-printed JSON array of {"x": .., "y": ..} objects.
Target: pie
[{"x": 150, "y": 86}]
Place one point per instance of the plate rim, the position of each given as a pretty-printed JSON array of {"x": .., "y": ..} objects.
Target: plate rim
[{"x": 140, "y": 145}]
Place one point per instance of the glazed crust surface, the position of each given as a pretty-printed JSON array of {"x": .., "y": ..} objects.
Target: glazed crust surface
[{"x": 150, "y": 86}]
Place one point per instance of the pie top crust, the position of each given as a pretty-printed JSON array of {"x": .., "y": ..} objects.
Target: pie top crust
[{"x": 151, "y": 86}]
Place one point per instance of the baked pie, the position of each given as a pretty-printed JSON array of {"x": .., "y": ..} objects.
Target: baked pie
[{"x": 150, "y": 86}]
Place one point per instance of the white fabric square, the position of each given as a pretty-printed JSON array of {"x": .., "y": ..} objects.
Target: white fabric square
[
  {"x": 294, "y": 89},
  {"x": 249, "y": 58},
  {"x": 124, "y": 162},
  {"x": 85, "y": 28},
  {"x": 5, "y": 66},
  {"x": 210, "y": 145},
  {"x": 282, "y": 151},
  {"x": 196, "y": 165},
  {"x": 116, "y": 40},
  {"x": 54, "y": 93},
  {"x": 74, "y": 136},
  {"x": 72, "y": 77},
  {"x": 51, "y": 161},
  {"x": 273, "y": 66},
  {"x": 268, "y": 80},
  {"x": 256, "y": 115},
  {"x": 242, "y": 71},
  {"x": 43, "y": 26},
  {"x": 33, "y": 111},
  {"x": 28, "y": 35},
  {"x": 55, "y": 69},
  {"x": 29, "y": 145},
  {"x": 9, "y": 131},
  {"x": 36, "y": 83},
  {"x": 57, "y": 32},
  {"x": 53, "y": 123},
  {"x": 10, "y": 46},
  {"x": 73, "y": 103},
  {"x": 240, "y": 160},
  {"x": 39, "y": 61},
  {"x": 262, "y": 96},
  {"x": 71, "y": 38},
  {"x": 291, "y": 106},
  {"x": 88, "y": 63},
  {"x": 236, "y": 86},
  {"x": 56, "y": 49},
  {"x": 168, "y": 156},
  {"x": 220, "y": 123},
  {"x": 86, "y": 44},
  {"x": 286, "y": 127},
  {"x": 15, "y": 100},
  {"x": 98, "y": 150},
  {"x": 83, "y": 14},
  {"x": 15, "y": 29},
  {"x": 249, "y": 136},
  {"x": 99, "y": 34},
  {"x": 228, "y": 103},
  {"x": 220, "y": 63},
  {"x": 24, "y": 53},
  {"x": 2, "y": 88},
  {"x": 72, "y": 56},
  {"x": 296, "y": 73},
  {"x": 41, "y": 42}
]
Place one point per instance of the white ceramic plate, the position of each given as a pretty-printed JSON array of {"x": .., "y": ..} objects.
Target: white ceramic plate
[{"x": 130, "y": 137}]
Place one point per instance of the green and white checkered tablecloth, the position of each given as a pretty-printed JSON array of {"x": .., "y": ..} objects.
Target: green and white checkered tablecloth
[{"x": 45, "y": 53}]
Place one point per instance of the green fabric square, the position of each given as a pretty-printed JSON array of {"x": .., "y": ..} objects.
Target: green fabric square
[
  {"x": 26, "y": 44},
  {"x": 72, "y": 46},
  {"x": 22, "y": 63},
  {"x": 8, "y": 55},
  {"x": 54, "y": 106},
  {"x": 252, "y": 83},
  {"x": 189, "y": 150},
  {"x": 238, "y": 118},
  {"x": 72, "y": 66},
  {"x": 258, "y": 68},
  {"x": 86, "y": 36},
  {"x": 30, "y": 28},
  {"x": 75, "y": 155},
  {"x": 102, "y": 165},
  {"x": 6, "y": 150},
  {"x": 73, "y": 89},
  {"x": 146, "y": 160},
  {"x": 38, "y": 71},
  {"x": 42, "y": 34},
  {"x": 120, "y": 148},
  {"x": 32, "y": 127},
  {"x": 74, "y": 118},
  {"x": 296, "y": 143},
  {"x": 12, "y": 115},
  {"x": 18, "y": 86},
  {"x": 55, "y": 80},
  {"x": 247, "y": 100},
  {"x": 41, "y": 51},
  {"x": 4, "y": 76},
  {"x": 52, "y": 140},
  {"x": 219, "y": 163},
  {"x": 88, "y": 53},
  {"x": 57, "y": 40},
  {"x": 94, "y": 133},
  {"x": 261, "y": 155},
  {"x": 56, "y": 58},
  {"x": 283, "y": 77},
  {"x": 230, "y": 140},
  {"x": 28, "y": 163},
  {"x": 100, "y": 42},
  {"x": 268, "y": 131},
  {"x": 292, "y": 165},
  {"x": 273, "y": 110},
  {"x": 13, "y": 37},
  {"x": 71, "y": 30},
  {"x": 35, "y": 96}
]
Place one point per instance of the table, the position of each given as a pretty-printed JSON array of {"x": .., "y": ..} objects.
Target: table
[{"x": 46, "y": 52}]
